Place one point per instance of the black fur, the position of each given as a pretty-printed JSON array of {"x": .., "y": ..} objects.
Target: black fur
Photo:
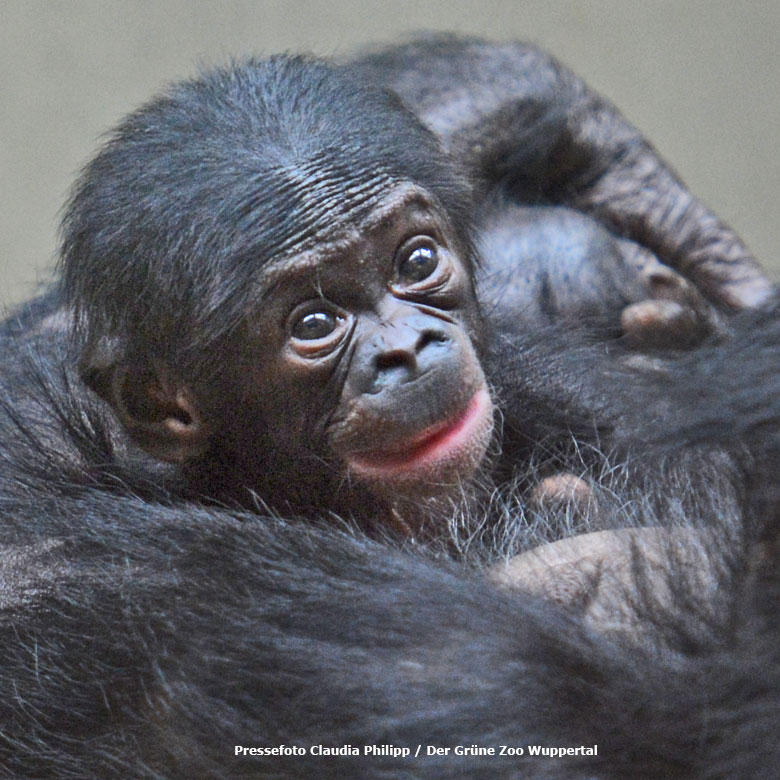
[
  {"x": 144, "y": 633},
  {"x": 145, "y": 637}
]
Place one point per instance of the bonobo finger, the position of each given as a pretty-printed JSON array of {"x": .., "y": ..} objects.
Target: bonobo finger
[
  {"x": 675, "y": 315},
  {"x": 741, "y": 284},
  {"x": 662, "y": 325},
  {"x": 563, "y": 490}
]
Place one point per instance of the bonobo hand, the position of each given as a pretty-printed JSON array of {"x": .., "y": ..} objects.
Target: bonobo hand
[
  {"x": 599, "y": 576},
  {"x": 551, "y": 264}
]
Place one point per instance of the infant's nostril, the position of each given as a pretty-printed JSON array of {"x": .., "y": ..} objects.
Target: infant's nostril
[{"x": 397, "y": 358}]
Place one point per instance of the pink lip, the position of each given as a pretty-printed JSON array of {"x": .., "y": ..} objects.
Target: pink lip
[{"x": 429, "y": 446}]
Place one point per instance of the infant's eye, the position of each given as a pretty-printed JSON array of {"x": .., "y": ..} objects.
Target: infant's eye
[
  {"x": 315, "y": 325},
  {"x": 418, "y": 264}
]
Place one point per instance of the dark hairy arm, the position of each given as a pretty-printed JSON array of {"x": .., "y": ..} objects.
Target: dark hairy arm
[{"x": 525, "y": 124}]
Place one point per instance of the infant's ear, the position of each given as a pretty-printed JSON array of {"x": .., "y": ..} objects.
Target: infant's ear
[{"x": 160, "y": 413}]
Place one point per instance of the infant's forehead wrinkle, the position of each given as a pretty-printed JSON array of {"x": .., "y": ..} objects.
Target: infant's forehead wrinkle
[
  {"x": 310, "y": 194},
  {"x": 293, "y": 264}
]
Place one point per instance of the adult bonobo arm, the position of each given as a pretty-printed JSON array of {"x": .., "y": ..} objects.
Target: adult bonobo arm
[{"x": 526, "y": 125}]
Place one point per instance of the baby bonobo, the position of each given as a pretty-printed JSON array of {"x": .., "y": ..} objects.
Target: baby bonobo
[
  {"x": 272, "y": 269},
  {"x": 299, "y": 318}
]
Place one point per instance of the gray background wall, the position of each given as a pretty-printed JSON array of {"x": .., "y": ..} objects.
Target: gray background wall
[{"x": 700, "y": 79}]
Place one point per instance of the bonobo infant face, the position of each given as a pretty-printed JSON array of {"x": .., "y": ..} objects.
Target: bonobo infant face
[
  {"x": 286, "y": 302},
  {"x": 364, "y": 347}
]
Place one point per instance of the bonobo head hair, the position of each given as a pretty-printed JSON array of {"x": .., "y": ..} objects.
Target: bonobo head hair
[{"x": 196, "y": 191}]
